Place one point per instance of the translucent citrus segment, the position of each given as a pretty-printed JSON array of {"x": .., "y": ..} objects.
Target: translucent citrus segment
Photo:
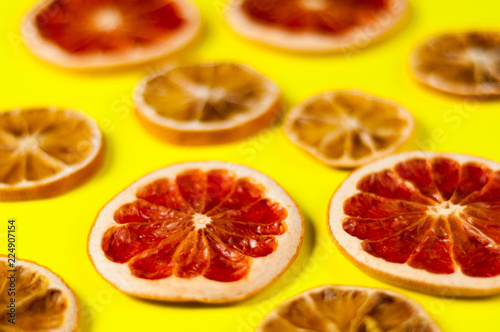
[
  {"x": 45, "y": 152},
  {"x": 209, "y": 225},
  {"x": 315, "y": 25},
  {"x": 348, "y": 128},
  {"x": 320, "y": 16},
  {"x": 207, "y": 103},
  {"x": 462, "y": 64},
  {"x": 438, "y": 214},
  {"x": 171, "y": 230},
  {"x": 112, "y": 32},
  {"x": 432, "y": 231},
  {"x": 346, "y": 309},
  {"x": 43, "y": 301}
]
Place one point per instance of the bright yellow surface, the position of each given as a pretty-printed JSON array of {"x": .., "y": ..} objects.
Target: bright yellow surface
[{"x": 54, "y": 232}]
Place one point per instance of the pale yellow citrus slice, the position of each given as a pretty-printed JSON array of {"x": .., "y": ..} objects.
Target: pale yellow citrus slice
[
  {"x": 332, "y": 308},
  {"x": 348, "y": 128},
  {"x": 207, "y": 103},
  {"x": 108, "y": 33},
  {"x": 315, "y": 25},
  {"x": 43, "y": 302},
  {"x": 45, "y": 152},
  {"x": 426, "y": 221},
  {"x": 205, "y": 231},
  {"x": 463, "y": 64}
]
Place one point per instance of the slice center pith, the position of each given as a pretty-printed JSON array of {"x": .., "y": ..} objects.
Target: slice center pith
[
  {"x": 201, "y": 221},
  {"x": 445, "y": 209}
]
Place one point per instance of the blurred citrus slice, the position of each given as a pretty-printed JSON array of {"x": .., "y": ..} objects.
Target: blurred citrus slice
[
  {"x": 463, "y": 64},
  {"x": 201, "y": 231},
  {"x": 315, "y": 25},
  {"x": 348, "y": 128},
  {"x": 207, "y": 103},
  {"x": 108, "y": 33},
  {"x": 43, "y": 302},
  {"x": 423, "y": 220},
  {"x": 45, "y": 152},
  {"x": 348, "y": 308}
]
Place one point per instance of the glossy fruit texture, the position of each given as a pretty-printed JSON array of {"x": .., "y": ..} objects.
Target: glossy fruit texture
[
  {"x": 107, "y": 25},
  {"x": 319, "y": 16},
  {"x": 432, "y": 214},
  {"x": 208, "y": 224}
]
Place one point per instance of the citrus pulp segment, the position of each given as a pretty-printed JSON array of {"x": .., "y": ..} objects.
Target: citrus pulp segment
[
  {"x": 46, "y": 152},
  {"x": 111, "y": 32},
  {"x": 348, "y": 128},
  {"x": 315, "y": 25},
  {"x": 347, "y": 309},
  {"x": 207, "y": 103},
  {"x": 463, "y": 64},
  {"x": 43, "y": 302},
  {"x": 423, "y": 220},
  {"x": 200, "y": 231}
]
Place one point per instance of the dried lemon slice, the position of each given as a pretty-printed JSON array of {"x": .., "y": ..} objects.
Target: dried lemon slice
[
  {"x": 348, "y": 128},
  {"x": 207, "y": 103},
  {"x": 332, "y": 308},
  {"x": 45, "y": 152},
  {"x": 43, "y": 302},
  {"x": 463, "y": 64}
]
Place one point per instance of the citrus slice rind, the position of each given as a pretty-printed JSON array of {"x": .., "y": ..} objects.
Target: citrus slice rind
[
  {"x": 43, "y": 300},
  {"x": 348, "y": 129},
  {"x": 209, "y": 103},
  {"x": 379, "y": 25},
  {"x": 52, "y": 52},
  {"x": 183, "y": 279},
  {"x": 433, "y": 235},
  {"x": 348, "y": 308},
  {"x": 46, "y": 152},
  {"x": 461, "y": 64}
]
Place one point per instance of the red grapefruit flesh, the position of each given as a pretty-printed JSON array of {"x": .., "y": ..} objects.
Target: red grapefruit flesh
[
  {"x": 315, "y": 25},
  {"x": 429, "y": 221},
  {"x": 316, "y": 15},
  {"x": 200, "y": 225},
  {"x": 112, "y": 32}
]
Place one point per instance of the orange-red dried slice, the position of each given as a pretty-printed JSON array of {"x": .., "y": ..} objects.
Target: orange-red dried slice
[
  {"x": 348, "y": 309},
  {"x": 208, "y": 103},
  {"x": 199, "y": 231},
  {"x": 315, "y": 25},
  {"x": 348, "y": 128},
  {"x": 107, "y": 33},
  {"x": 46, "y": 152},
  {"x": 423, "y": 220},
  {"x": 43, "y": 301},
  {"x": 463, "y": 64}
]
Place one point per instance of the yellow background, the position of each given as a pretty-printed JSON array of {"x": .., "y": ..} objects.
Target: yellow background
[{"x": 54, "y": 232}]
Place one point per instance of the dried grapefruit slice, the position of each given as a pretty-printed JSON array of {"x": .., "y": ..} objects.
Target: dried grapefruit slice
[
  {"x": 200, "y": 231},
  {"x": 348, "y": 128},
  {"x": 110, "y": 32},
  {"x": 463, "y": 64},
  {"x": 207, "y": 103},
  {"x": 46, "y": 152},
  {"x": 43, "y": 302},
  {"x": 423, "y": 220},
  {"x": 315, "y": 25},
  {"x": 346, "y": 309}
]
